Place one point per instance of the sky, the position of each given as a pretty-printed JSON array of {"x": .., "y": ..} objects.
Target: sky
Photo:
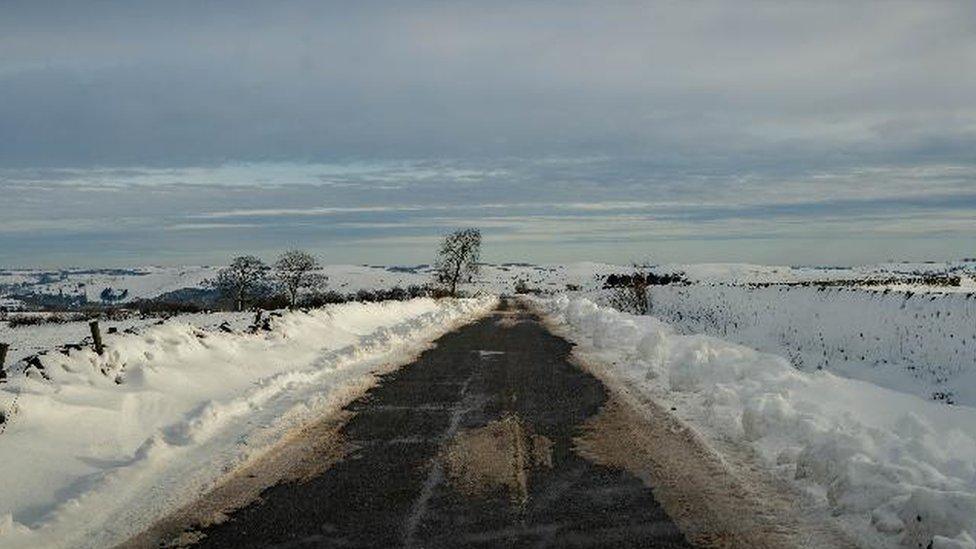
[{"x": 177, "y": 132}]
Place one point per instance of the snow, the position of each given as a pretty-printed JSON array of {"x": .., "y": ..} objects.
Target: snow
[
  {"x": 924, "y": 344},
  {"x": 141, "y": 282},
  {"x": 897, "y": 467},
  {"x": 151, "y": 281},
  {"x": 29, "y": 340},
  {"x": 110, "y": 443},
  {"x": 744, "y": 273},
  {"x": 842, "y": 404}
]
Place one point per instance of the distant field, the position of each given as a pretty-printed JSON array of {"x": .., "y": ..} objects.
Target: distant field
[
  {"x": 907, "y": 326},
  {"x": 921, "y": 342},
  {"x": 73, "y": 288}
]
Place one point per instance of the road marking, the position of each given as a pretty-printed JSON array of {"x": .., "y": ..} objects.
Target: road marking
[{"x": 486, "y": 354}]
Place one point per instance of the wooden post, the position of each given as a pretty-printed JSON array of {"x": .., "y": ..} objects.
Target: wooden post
[
  {"x": 3, "y": 354},
  {"x": 96, "y": 336}
]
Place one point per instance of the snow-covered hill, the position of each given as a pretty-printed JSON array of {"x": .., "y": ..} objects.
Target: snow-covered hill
[{"x": 124, "y": 285}]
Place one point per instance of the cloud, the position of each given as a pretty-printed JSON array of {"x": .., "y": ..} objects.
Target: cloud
[
  {"x": 187, "y": 131},
  {"x": 210, "y": 226},
  {"x": 704, "y": 83}
]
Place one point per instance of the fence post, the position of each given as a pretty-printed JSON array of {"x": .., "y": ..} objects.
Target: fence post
[
  {"x": 96, "y": 336},
  {"x": 3, "y": 354}
]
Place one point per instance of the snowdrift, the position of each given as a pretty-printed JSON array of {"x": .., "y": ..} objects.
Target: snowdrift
[
  {"x": 924, "y": 344},
  {"x": 98, "y": 447},
  {"x": 901, "y": 467}
]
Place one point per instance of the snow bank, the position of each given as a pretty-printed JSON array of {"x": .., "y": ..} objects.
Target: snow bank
[
  {"x": 26, "y": 341},
  {"x": 901, "y": 464},
  {"x": 923, "y": 344},
  {"x": 110, "y": 443}
]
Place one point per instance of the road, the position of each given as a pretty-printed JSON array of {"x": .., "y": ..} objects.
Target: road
[{"x": 472, "y": 445}]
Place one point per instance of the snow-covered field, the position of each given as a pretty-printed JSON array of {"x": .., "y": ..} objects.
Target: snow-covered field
[
  {"x": 881, "y": 323},
  {"x": 920, "y": 343},
  {"x": 894, "y": 276},
  {"x": 151, "y": 281},
  {"x": 94, "y": 448},
  {"x": 136, "y": 283},
  {"x": 895, "y": 468},
  {"x": 27, "y": 341}
]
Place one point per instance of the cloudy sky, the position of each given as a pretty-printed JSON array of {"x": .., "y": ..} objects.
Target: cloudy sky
[{"x": 777, "y": 132}]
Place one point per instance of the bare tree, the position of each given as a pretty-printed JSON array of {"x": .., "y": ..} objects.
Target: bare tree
[
  {"x": 630, "y": 292},
  {"x": 295, "y": 271},
  {"x": 458, "y": 258},
  {"x": 243, "y": 280}
]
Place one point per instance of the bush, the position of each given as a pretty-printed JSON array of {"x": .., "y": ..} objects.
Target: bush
[
  {"x": 152, "y": 307},
  {"x": 271, "y": 302},
  {"x": 646, "y": 277},
  {"x": 441, "y": 293},
  {"x": 17, "y": 321},
  {"x": 396, "y": 293},
  {"x": 629, "y": 295},
  {"x": 109, "y": 313},
  {"x": 414, "y": 291},
  {"x": 321, "y": 299}
]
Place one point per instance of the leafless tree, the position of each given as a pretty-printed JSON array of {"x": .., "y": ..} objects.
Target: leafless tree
[
  {"x": 243, "y": 280},
  {"x": 295, "y": 271},
  {"x": 458, "y": 258},
  {"x": 631, "y": 295}
]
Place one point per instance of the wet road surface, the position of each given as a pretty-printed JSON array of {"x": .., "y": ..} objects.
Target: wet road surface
[{"x": 469, "y": 446}]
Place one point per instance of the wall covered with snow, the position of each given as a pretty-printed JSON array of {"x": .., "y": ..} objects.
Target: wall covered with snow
[
  {"x": 900, "y": 467},
  {"x": 94, "y": 448},
  {"x": 919, "y": 343}
]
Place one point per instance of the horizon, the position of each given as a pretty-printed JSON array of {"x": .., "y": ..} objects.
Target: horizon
[
  {"x": 184, "y": 134},
  {"x": 326, "y": 265}
]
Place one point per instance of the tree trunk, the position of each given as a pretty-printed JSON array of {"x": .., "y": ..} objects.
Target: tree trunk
[{"x": 454, "y": 280}]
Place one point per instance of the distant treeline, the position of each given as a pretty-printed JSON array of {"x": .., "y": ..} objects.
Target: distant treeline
[
  {"x": 648, "y": 278},
  {"x": 203, "y": 300},
  {"x": 196, "y": 300},
  {"x": 924, "y": 279}
]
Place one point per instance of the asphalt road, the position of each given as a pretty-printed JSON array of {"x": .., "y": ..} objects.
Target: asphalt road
[{"x": 469, "y": 446}]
